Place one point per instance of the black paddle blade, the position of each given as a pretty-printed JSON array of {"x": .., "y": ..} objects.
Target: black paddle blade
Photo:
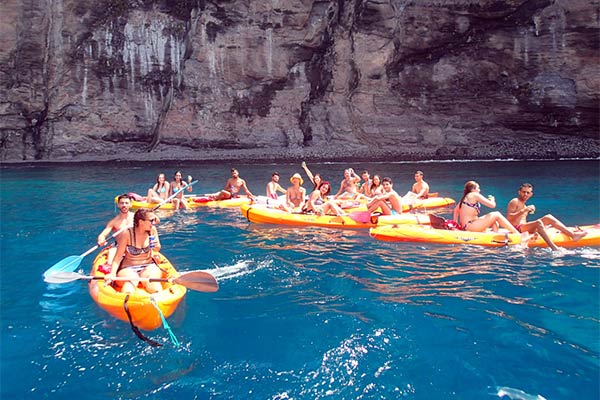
[{"x": 198, "y": 280}]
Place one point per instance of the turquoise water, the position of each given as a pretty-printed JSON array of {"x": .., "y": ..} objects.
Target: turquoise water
[{"x": 303, "y": 313}]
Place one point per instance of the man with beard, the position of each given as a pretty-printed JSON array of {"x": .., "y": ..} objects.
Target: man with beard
[{"x": 119, "y": 222}]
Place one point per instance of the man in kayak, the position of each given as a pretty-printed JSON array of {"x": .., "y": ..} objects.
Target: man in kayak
[
  {"x": 348, "y": 186},
  {"x": 273, "y": 187},
  {"x": 120, "y": 221},
  {"x": 390, "y": 202},
  {"x": 232, "y": 187},
  {"x": 134, "y": 258},
  {"x": 518, "y": 210},
  {"x": 420, "y": 187}
]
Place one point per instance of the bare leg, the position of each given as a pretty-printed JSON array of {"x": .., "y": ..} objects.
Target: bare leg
[
  {"x": 551, "y": 220},
  {"x": 152, "y": 271}
]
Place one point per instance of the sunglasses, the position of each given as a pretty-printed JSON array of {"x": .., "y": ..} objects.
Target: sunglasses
[{"x": 152, "y": 220}]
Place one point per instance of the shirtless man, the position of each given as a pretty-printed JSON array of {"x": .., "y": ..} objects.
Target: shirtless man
[
  {"x": 365, "y": 187},
  {"x": 348, "y": 188},
  {"x": 390, "y": 202},
  {"x": 273, "y": 187},
  {"x": 232, "y": 187},
  {"x": 120, "y": 221},
  {"x": 517, "y": 212},
  {"x": 295, "y": 196},
  {"x": 421, "y": 188}
]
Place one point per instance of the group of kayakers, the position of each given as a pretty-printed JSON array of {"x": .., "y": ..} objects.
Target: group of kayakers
[{"x": 133, "y": 255}]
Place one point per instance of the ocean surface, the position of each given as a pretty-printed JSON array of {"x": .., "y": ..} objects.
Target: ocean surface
[{"x": 303, "y": 313}]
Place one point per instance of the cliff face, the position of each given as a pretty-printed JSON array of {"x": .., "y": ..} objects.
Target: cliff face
[{"x": 458, "y": 78}]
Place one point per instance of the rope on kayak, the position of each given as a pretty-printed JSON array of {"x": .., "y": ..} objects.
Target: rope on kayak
[
  {"x": 165, "y": 323},
  {"x": 135, "y": 329}
]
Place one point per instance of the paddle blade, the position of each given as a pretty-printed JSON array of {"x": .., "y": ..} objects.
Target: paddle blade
[
  {"x": 64, "y": 277},
  {"x": 198, "y": 280},
  {"x": 65, "y": 265}
]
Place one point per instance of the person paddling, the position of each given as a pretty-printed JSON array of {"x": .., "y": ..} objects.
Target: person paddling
[
  {"x": 120, "y": 221},
  {"x": 134, "y": 255}
]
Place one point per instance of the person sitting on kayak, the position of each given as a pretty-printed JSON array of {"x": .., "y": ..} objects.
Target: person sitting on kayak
[
  {"x": 348, "y": 186},
  {"x": 160, "y": 190},
  {"x": 420, "y": 187},
  {"x": 467, "y": 212},
  {"x": 295, "y": 195},
  {"x": 389, "y": 201},
  {"x": 120, "y": 221},
  {"x": 316, "y": 179},
  {"x": 232, "y": 188},
  {"x": 517, "y": 211},
  {"x": 318, "y": 203},
  {"x": 273, "y": 187},
  {"x": 134, "y": 256},
  {"x": 178, "y": 183}
]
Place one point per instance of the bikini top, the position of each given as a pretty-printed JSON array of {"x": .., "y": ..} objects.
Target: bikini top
[
  {"x": 136, "y": 251},
  {"x": 476, "y": 206}
]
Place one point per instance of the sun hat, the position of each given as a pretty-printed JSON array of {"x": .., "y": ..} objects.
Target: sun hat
[{"x": 296, "y": 175}]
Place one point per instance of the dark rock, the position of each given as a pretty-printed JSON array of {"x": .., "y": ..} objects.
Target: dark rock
[{"x": 192, "y": 79}]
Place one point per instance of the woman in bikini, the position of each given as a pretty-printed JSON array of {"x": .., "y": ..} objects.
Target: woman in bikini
[
  {"x": 467, "y": 212},
  {"x": 318, "y": 203},
  {"x": 178, "y": 183},
  {"x": 376, "y": 188},
  {"x": 160, "y": 190},
  {"x": 316, "y": 179},
  {"x": 295, "y": 196},
  {"x": 134, "y": 257}
]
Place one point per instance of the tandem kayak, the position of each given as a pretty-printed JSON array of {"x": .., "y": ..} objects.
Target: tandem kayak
[
  {"x": 191, "y": 202},
  {"x": 428, "y": 234},
  {"x": 143, "y": 312},
  {"x": 263, "y": 214}
]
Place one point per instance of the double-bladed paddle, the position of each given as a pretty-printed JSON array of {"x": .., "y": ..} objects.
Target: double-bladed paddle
[
  {"x": 72, "y": 262},
  {"x": 195, "y": 280}
]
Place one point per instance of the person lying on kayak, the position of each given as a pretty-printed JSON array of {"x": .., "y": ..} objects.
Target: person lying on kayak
[
  {"x": 389, "y": 201},
  {"x": 467, "y": 212},
  {"x": 232, "y": 188},
  {"x": 134, "y": 255},
  {"x": 317, "y": 202},
  {"x": 517, "y": 211},
  {"x": 120, "y": 221}
]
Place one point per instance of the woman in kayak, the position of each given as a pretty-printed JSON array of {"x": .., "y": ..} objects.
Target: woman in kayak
[
  {"x": 467, "y": 212},
  {"x": 160, "y": 190},
  {"x": 134, "y": 256}
]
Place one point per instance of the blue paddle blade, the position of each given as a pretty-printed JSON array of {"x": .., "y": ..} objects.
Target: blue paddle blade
[{"x": 68, "y": 264}]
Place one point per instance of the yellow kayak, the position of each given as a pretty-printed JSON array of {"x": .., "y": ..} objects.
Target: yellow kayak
[
  {"x": 191, "y": 202},
  {"x": 263, "y": 214},
  {"x": 143, "y": 313},
  {"x": 428, "y": 234}
]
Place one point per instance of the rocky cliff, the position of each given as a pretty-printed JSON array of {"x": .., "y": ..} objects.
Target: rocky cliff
[{"x": 149, "y": 79}]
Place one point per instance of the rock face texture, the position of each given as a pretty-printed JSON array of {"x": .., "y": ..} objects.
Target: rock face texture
[{"x": 148, "y": 79}]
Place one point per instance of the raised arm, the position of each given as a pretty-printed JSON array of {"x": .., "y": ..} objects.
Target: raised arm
[{"x": 308, "y": 173}]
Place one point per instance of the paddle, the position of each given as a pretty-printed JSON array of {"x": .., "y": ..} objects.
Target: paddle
[
  {"x": 72, "y": 262},
  {"x": 196, "y": 280}
]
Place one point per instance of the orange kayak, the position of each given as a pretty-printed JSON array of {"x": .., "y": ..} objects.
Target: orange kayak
[{"x": 143, "y": 313}]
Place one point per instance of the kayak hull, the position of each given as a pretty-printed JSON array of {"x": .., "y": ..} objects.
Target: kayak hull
[
  {"x": 263, "y": 215},
  {"x": 427, "y": 234},
  {"x": 143, "y": 313},
  {"x": 192, "y": 202}
]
